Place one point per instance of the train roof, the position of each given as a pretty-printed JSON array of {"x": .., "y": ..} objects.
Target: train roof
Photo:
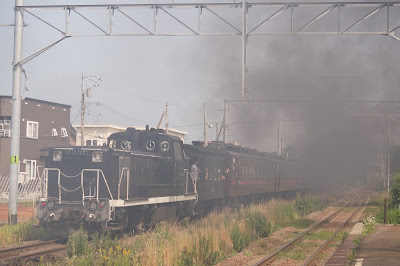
[
  {"x": 149, "y": 132},
  {"x": 228, "y": 148}
]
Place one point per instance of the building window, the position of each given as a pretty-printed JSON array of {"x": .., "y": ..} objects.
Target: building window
[
  {"x": 32, "y": 130},
  {"x": 64, "y": 132},
  {"x": 54, "y": 132},
  {"x": 30, "y": 168}
]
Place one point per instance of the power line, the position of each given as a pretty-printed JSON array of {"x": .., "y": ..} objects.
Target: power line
[{"x": 129, "y": 93}]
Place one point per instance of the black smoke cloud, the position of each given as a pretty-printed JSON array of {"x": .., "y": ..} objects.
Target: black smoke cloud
[{"x": 318, "y": 75}]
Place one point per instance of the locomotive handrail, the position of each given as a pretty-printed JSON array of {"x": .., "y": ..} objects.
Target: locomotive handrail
[
  {"x": 46, "y": 174},
  {"x": 127, "y": 182},
  {"x": 70, "y": 191},
  {"x": 70, "y": 176},
  {"x": 187, "y": 179},
  {"x": 98, "y": 171}
]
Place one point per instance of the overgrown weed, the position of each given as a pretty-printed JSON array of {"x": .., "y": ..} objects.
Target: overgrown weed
[
  {"x": 207, "y": 241},
  {"x": 23, "y": 231}
]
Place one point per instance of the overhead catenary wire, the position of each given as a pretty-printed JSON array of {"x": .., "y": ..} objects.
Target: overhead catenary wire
[{"x": 129, "y": 93}]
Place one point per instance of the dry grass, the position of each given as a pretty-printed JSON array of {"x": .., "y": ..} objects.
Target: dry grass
[
  {"x": 23, "y": 231},
  {"x": 203, "y": 242},
  {"x": 169, "y": 242}
]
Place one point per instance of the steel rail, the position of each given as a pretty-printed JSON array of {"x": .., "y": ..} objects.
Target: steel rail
[
  {"x": 271, "y": 256},
  {"x": 3, "y": 250},
  {"x": 322, "y": 248},
  {"x": 10, "y": 260}
]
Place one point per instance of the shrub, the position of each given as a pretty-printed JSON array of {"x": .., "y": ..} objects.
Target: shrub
[
  {"x": 207, "y": 255},
  {"x": 186, "y": 258},
  {"x": 369, "y": 224},
  {"x": 308, "y": 204},
  {"x": 395, "y": 191},
  {"x": 101, "y": 241},
  {"x": 259, "y": 223},
  {"x": 23, "y": 231},
  {"x": 77, "y": 243},
  {"x": 239, "y": 239},
  {"x": 284, "y": 212}
]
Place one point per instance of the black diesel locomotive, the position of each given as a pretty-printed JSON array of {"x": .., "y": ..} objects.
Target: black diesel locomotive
[{"x": 144, "y": 176}]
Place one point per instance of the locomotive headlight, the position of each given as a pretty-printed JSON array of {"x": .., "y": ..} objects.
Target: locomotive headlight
[
  {"x": 97, "y": 156},
  {"x": 57, "y": 156}
]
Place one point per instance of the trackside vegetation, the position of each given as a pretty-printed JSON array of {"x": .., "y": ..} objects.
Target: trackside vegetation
[
  {"x": 393, "y": 203},
  {"x": 206, "y": 241},
  {"x": 23, "y": 231}
]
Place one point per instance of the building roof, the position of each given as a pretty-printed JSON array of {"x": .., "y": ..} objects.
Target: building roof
[
  {"x": 100, "y": 126},
  {"x": 123, "y": 127},
  {"x": 38, "y": 101}
]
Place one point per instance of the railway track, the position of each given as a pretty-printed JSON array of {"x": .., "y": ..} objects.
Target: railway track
[
  {"x": 267, "y": 260},
  {"x": 21, "y": 253}
]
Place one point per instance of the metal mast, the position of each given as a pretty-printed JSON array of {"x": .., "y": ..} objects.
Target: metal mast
[
  {"x": 16, "y": 113},
  {"x": 244, "y": 46},
  {"x": 205, "y": 125},
  {"x": 225, "y": 125},
  {"x": 279, "y": 138},
  {"x": 83, "y": 111},
  {"x": 166, "y": 117}
]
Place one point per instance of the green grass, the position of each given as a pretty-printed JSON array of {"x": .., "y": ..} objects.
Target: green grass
[
  {"x": 352, "y": 255},
  {"x": 26, "y": 203},
  {"x": 371, "y": 211},
  {"x": 349, "y": 209},
  {"x": 341, "y": 236},
  {"x": 299, "y": 223},
  {"x": 297, "y": 254},
  {"x": 219, "y": 235},
  {"x": 308, "y": 244},
  {"x": 23, "y": 231},
  {"x": 320, "y": 235}
]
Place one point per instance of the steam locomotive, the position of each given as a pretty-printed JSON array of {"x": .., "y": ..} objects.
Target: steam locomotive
[{"x": 144, "y": 176}]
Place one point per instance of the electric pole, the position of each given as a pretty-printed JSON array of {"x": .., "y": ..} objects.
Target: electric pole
[
  {"x": 216, "y": 130},
  {"x": 279, "y": 138},
  {"x": 225, "y": 125},
  {"x": 83, "y": 111},
  {"x": 83, "y": 105},
  {"x": 16, "y": 113},
  {"x": 205, "y": 125},
  {"x": 388, "y": 151},
  {"x": 166, "y": 117}
]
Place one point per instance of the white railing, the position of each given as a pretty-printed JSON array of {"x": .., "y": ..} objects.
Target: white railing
[
  {"x": 28, "y": 190},
  {"x": 5, "y": 133}
]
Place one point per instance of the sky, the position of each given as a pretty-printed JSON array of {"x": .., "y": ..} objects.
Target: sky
[{"x": 140, "y": 74}]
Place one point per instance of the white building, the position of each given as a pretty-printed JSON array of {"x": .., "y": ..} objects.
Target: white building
[{"x": 97, "y": 135}]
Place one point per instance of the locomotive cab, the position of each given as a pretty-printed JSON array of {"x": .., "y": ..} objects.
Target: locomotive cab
[{"x": 96, "y": 184}]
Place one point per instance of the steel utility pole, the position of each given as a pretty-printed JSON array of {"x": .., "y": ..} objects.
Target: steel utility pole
[
  {"x": 83, "y": 104},
  {"x": 205, "y": 125},
  {"x": 279, "y": 138},
  {"x": 166, "y": 117},
  {"x": 388, "y": 151},
  {"x": 216, "y": 130},
  {"x": 225, "y": 125},
  {"x": 244, "y": 46},
  {"x": 83, "y": 111},
  {"x": 16, "y": 114}
]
